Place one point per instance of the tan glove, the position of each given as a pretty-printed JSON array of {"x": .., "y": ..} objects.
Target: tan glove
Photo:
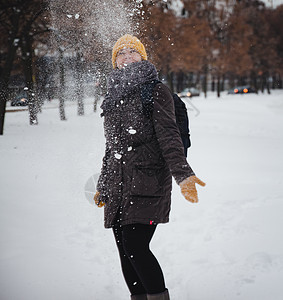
[
  {"x": 188, "y": 188},
  {"x": 97, "y": 201}
]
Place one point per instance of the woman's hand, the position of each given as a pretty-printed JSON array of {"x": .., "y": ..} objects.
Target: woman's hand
[
  {"x": 188, "y": 188},
  {"x": 97, "y": 201}
]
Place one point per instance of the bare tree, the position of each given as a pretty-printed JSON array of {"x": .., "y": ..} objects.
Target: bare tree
[
  {"x": 10, "y": 19},
  {"x": 20, "y": 23}
]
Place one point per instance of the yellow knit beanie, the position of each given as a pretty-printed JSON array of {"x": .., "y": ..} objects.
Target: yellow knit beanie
[{"x": 128, "y": 41}]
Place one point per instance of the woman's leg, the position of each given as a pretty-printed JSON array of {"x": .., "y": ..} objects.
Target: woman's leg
[
  {"x": 136, "y": 239},
  {"x": 132, "y": 279}
]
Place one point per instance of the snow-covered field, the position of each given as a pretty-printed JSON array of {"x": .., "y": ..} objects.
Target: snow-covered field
[{"x": 228, "y": 246}]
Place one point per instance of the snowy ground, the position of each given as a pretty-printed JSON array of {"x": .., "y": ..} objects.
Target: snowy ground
[{"x": 228, "y": 246}]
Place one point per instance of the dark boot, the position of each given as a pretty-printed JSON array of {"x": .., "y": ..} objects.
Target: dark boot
[
  {"x": 139, "y": 297},
  {"x": 161, "y": 296}
]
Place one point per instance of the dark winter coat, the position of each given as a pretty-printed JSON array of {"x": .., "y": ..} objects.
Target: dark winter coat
[{"x": 141, "y": 153}]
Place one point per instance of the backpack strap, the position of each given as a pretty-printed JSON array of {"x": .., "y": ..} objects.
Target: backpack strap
[
  {"x": 182, "y": 120},
  {"x": 181, "y": 114}
]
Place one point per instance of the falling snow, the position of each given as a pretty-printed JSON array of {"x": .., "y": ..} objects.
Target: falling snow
[
  {"x": 132, "y": 131},
  {"x": 117, "y": 155}
]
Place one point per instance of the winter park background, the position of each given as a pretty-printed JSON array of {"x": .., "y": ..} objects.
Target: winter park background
[{"x": 228, "y": 246}]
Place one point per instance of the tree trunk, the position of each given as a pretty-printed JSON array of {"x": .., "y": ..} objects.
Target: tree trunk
[
  {"x": 267, "y": 82},
  {"x": 62, "y": 86},
  {"x": 213, "y": 84},
  {"x": 97, "y": 92},
  {"x": 79, "y": 84},
  {"x": 262, "y": 83},
  {"x": 204, "y": 85},
  {"x": 79, "y": 95},
  {"x": 273, "y": 82},
  {"x": 4, "y": 80},
  {"x": 204, "y": 79},
  {"x": 218, "y": 86},
  {"x": 279, "y": 82},
  {"x": 27, "y": 52},
  {"x": 222, "y": 83},
  {"x": 96, "y": 98},
  {"x": 254, "y": 81},
  {"x": 3, "y": 101}
]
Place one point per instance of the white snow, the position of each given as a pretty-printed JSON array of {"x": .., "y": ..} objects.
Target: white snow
[
  {"x": 274, "y": 3},
  {"x": 177, "y": 6},
  {"x": 16, "y": 42},
  {"x": 132, "y": 131},
  {"x": 228, "y": 246},
  {"x": 118, "y": 155}
]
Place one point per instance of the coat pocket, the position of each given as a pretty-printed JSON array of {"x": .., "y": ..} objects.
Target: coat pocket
[{"x": 147, "y": 181}]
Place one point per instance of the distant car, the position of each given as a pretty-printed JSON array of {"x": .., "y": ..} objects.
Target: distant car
[
  {"x": 242, "y": 90},
  {"x": 20, "y": 100},
  {"x": 189, "y": 92}
]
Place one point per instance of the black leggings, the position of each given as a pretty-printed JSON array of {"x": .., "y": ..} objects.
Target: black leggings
[{"x": 141, "y": 269}]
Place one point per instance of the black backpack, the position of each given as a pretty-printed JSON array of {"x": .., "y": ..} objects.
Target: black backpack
[{"x": 181, "y": 114}]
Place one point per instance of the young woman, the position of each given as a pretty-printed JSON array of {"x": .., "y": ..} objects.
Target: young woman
[{"x": 142, "y": 153}]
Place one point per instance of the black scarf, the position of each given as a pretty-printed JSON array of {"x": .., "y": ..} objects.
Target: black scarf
[{"x": 123, "y": 82}]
